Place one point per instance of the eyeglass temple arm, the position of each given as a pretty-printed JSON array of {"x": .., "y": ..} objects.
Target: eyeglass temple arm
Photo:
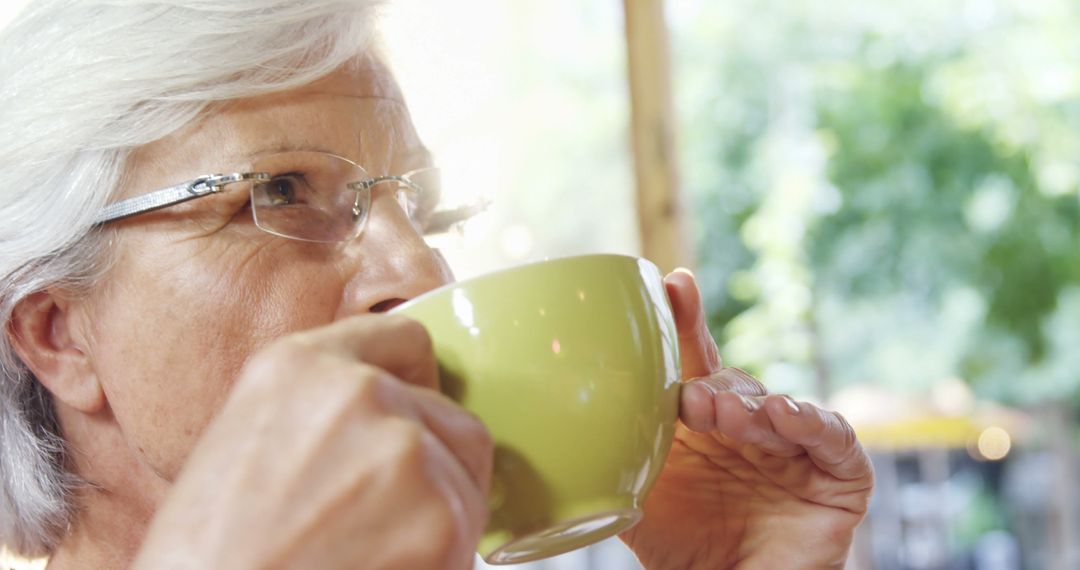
[
  {"x": 365, "y": 184},
  {"x": 442, "y": 220},
  {"x": 197, "y": 188}
]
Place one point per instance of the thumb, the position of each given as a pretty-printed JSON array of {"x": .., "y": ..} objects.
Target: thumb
[{"x": 700, "y": 356}]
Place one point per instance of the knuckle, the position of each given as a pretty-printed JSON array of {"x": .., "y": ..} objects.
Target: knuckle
[
  {"x": 845, "y": 429},
  {"x": 445, "y": 538},
  {"x": 454, "y": 532},
  {"x": 821, "y": 425},
  {"x": 838, "y": 530},
  {"x": 410, "y": 331},
  {"x": 370, "y": 386},
  {"x": 846, "y": 449},
  {"x": 484, "y": 440},
  {"x": 436, "y": 507},
  {"x": 444, "y": 510},
  {"x": 408, "y": 444},
  {"x": 478, "y": 433},
  {"x": 282, "y": 359},
  {"x": 442, "y": 547},
  {"x": 375, "y": 390},
  {"x": 283, "y": 352}
]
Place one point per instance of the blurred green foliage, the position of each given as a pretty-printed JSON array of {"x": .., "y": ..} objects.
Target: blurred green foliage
[
  {"x": 983, "y": 514},
  {"x": 887, "y": 192}
]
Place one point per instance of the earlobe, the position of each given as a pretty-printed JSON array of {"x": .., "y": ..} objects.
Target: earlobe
[{"x": 41, "y": 330}]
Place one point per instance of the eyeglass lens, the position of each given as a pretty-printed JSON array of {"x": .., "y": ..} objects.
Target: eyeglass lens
[{"x": 309, "y": 196}]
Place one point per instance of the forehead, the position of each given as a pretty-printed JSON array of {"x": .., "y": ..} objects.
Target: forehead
[{"x": 357, "y": 112}]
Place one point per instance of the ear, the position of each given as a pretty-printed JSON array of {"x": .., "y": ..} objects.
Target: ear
[{"x": 41, "y": 330}]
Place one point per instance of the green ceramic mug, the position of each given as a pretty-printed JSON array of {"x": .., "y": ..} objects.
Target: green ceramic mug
[{"x": 573, "y": 365}]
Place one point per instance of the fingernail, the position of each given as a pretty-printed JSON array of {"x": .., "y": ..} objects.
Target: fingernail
[
  {"x": 750, "y": 405},
  {"x": 792, "y": 407},
  {"x": 683, "y": 270}
]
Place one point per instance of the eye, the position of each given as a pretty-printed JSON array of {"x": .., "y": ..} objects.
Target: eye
[{"x": 281, "y": 191}]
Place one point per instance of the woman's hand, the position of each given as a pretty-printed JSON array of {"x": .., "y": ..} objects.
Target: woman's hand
[
  {"x": 753, "y": 480},
  {"x": 332, "y": 451}
]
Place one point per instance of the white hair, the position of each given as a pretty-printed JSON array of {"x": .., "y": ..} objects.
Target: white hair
[{"x": 82, "y": 84}]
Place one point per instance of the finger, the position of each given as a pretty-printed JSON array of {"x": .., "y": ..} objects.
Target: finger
[
  {"x": 700, "y": 401},
  {"x": 464, "y": 453},
  {"x": 700, "y": 356},
  {"x": 731, "y": 380},
  {"x": 697, "y": 406},
  {"x": 463, "y": 434},
  {"x": 467, "y": 501},
  {"x": 726, "y": 404},
  {"x": 394, "y": 343},
  {"x": 458, "y": 446},
  {"x": 827, "y": 437},
  {"x": 741, "y": 419}
]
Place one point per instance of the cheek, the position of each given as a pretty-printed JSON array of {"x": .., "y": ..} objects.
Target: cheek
[{"x": 171, "y": 340}]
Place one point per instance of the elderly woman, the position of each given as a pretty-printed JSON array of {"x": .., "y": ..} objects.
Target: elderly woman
[{"x": 205, "y": 376}]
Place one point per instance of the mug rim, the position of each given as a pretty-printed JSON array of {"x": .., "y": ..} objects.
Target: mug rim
[{"x": 420, "y": 298}]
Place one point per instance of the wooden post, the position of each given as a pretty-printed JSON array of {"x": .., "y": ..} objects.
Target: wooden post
[{"x": 660, "y": 216}]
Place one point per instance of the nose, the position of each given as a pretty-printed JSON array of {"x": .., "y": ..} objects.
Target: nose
[{"x": 389, "y": 263}]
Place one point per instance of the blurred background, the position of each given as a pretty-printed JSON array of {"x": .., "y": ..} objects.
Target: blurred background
[{"x": 879, "y": 199}]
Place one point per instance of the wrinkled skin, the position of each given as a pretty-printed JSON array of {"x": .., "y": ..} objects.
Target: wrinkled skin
[
  {"x": 201, "y": 379},
  {"x": 239, "y": 400},
  {"x": 753, "y": 480}
]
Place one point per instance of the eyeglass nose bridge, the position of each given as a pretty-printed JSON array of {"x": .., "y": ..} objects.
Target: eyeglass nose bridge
[{"x": 362, "y": 203}]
